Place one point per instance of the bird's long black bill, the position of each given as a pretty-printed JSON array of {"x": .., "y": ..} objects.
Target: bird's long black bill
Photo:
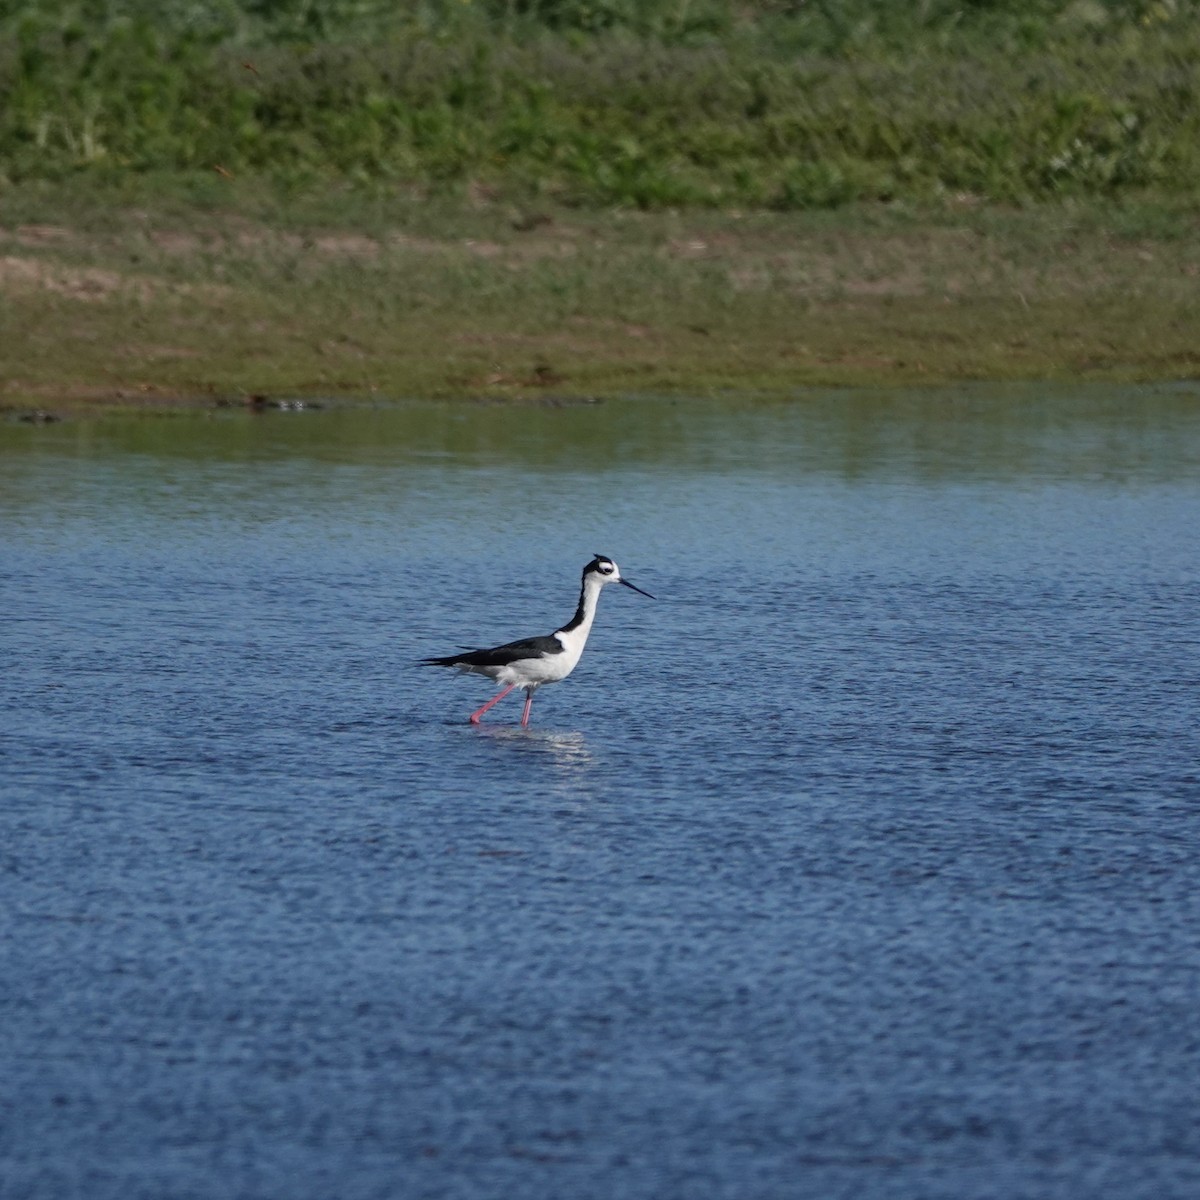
[{"x": 637, "y": 589}]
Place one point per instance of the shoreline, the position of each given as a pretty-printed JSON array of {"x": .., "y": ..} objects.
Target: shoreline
[{"x": 176, "y": 307}]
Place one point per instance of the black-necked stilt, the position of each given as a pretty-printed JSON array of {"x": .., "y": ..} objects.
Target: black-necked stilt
[{"x": 532, "y": 662}]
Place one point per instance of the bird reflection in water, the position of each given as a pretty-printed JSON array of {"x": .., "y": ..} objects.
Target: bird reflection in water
[{"x": 567, "y": 752}]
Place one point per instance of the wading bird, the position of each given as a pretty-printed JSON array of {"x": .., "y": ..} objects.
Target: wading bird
[{"x": 532, "y": 662}]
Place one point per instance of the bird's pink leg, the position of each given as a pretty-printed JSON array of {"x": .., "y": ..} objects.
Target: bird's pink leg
[
  {"x": 528, "y": 706},
  {"x": 494, "y": 700}
]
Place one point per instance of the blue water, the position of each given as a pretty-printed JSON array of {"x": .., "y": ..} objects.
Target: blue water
[{"x": 864, "y": 862}]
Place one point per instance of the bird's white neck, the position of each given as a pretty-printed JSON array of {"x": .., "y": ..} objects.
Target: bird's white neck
[{"x": 575, "y": 631}]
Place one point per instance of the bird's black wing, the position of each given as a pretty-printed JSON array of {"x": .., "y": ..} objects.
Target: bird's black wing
[{"x": 499, "y": 656}]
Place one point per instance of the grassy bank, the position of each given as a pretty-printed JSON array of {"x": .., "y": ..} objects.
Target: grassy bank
[
  {"x": 117, "y": 301},
  {"x": 660, "y": 103},
  {"x": 578, "y": 197}
]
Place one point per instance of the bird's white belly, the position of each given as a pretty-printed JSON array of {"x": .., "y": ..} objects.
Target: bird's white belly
[{"x": 534, "y": 672}]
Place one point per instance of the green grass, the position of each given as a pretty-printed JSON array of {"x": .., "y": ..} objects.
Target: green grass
[
  {"x": 580, "y": 197},
  {"x": 657, "y": 104},
  {"x": 112, "y": 297}
]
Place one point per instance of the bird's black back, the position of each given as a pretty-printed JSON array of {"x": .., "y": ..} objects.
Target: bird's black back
[{"x": 499, "y": 656}]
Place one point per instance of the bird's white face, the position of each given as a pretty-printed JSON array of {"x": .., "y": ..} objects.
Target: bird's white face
[{"x": 605, "y": 570}]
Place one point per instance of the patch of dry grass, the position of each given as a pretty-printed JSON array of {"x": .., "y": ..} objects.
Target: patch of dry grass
[{"x": 487, "y": 300}]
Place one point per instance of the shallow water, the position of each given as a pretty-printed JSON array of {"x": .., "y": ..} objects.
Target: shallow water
[{"x": 863, "y": 862}]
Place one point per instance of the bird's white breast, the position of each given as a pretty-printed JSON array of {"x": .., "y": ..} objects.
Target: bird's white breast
[{"x": 549, "y": 668}]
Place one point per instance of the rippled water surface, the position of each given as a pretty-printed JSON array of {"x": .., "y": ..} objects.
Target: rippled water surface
[{"x": 864, "y": 862}]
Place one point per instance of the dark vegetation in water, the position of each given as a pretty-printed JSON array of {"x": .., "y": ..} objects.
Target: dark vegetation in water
[{"x": 780, "y": 104}]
